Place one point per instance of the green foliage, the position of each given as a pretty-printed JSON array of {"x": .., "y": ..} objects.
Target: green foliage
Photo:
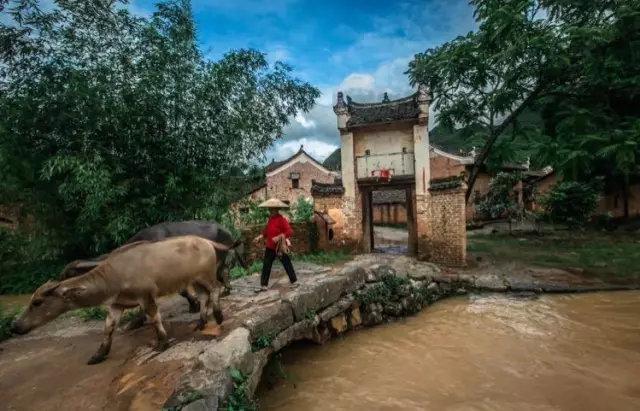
[
  {"x": 239, "y": 400},
  {"x": 239, "y": 272},
  {"x": 324, "y": 257},
  {"x": 302, "y": 210},
  {"x": 383, "y": 292},
  {"x": 570, "y": 202},
  {"x": 26, "y": 261},
  {"x": 112, "y": 122},
  {"x": 310, "y": 314},
  {"x": 91, "y": 313},
  {"x": 251, "y": 214},
  {"x": 577, "y": 64},
  {"x": 263, "y": 341},
  {"x": 6, "y": 319},
  {"x": 501, "y": 200}
]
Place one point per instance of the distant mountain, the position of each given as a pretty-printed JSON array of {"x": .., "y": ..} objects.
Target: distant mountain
[{"x": 333, "y": 161}]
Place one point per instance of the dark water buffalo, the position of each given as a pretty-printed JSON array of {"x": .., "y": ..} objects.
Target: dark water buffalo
[{"x": 205, "y": 229}]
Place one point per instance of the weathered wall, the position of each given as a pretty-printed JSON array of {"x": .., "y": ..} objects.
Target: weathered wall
[
  {"x": 383, "y": 140},
  {"x": 389, "y": 214},
  {"x": 443, "y": 167},
  {"x": 279, "y": 185},
  {"x": 448, "y": 230}
]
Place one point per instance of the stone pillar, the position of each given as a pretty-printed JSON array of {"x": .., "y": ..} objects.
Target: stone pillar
[
  {"x": 423, "y": 174},
  {"x": 447, "y": 238},
  {"x": 348, "y": 164}
]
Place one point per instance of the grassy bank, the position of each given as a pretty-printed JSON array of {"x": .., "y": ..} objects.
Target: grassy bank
[{"x": 596, "y": 252}]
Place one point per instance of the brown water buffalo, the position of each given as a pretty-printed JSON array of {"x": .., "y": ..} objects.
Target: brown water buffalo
[
  {"x": 205, "y": 229},
  {"x": 133, "y": 276}
]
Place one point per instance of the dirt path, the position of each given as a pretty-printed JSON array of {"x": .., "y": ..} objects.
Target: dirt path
[{"x": 46, "y": 369}]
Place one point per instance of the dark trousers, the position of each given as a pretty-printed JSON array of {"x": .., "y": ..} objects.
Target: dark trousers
[{"x": 269, "y": 256}]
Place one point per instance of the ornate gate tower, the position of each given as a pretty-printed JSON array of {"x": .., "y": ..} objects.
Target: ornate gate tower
[{"x": 385, "y": 145}]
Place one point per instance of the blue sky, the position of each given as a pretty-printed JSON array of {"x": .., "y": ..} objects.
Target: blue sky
[{"x": 359, "y": 47}]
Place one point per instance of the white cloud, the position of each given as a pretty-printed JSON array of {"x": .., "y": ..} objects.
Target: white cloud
[
  {"x": 278, "y": 53},
  {"x": 358, "y": 81},
  {"x": 300, "y": 118}
]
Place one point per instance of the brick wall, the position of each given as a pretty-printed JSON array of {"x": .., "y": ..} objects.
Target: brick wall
[
  {"x": 300, "y": 241},
  {"x": 280, "y": 185},
  {"x": 447, "y": 236},
  {"x": 443, "y": 167}
]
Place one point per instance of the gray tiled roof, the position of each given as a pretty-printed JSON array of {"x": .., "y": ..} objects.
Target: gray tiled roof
[
  {"x": 321, "y": 189},
  {"x": 385, "y": 112}
]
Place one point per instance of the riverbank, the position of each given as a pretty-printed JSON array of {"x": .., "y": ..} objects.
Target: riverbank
[{"x": 205, "y": 369}]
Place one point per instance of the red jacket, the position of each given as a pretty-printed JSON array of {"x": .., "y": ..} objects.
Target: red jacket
[{"x": 276, "y": 225}]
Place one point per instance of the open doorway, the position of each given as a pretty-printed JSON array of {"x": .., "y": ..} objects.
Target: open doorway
[{"x": 390, "y": 221}]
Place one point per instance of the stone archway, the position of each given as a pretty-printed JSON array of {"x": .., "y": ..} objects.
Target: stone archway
[{"x": 366, "y": 195}]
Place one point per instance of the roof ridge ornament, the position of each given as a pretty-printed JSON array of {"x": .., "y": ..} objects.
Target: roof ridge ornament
[
  {"x": 385, "y": 97},
  {"x": 424, "y": 95}
]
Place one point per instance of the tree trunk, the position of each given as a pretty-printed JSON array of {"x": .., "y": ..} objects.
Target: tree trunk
[
  {"x": 625, "y": 196},
  {"x": 494, "y": 133}
]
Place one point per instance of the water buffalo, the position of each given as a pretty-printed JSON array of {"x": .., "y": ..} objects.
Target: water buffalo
[
  {"x": 130, "y": 277},
  {"x": 205, "y": 229}
]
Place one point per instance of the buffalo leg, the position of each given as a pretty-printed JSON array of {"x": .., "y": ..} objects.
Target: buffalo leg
[
  {"x": 204, "y": 296},
  {"x": 151, "y": 308},
  {"x": 222, "y": 273},
  {"x": 194, "y": 305},
  {"x": 113, "y": 317},
  {"x": 217, "y": 310}
]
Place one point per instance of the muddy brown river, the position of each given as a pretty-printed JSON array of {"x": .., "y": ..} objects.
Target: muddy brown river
[{"x": 492, "y": 352}]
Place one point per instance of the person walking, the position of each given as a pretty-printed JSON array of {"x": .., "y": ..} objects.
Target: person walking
[{"x": 276, "y": 236}]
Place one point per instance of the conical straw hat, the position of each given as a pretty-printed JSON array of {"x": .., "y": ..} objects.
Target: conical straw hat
[{"x": 273, "y": 203}]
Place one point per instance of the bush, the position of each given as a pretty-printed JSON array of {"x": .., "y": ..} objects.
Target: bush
[
  {"x": 6, "y": 319},
  {"x": 239, "y": 399},
  {"x": 26, "y": 262},
  {"x": 570, "y": 202},
  {"x": 500, "y": 201},
  {"x": 302, "y": 210}
]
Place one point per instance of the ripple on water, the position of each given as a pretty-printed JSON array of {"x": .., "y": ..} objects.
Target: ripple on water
[{"x": 478, "y": 352}]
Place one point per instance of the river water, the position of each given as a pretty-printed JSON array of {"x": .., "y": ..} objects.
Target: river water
[{"x": 481, "y": 352}]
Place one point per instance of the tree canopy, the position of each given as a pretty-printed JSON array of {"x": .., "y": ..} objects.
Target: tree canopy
[
  {"x": 576, "y": 63},
  {"x": 112, "y": 122}
]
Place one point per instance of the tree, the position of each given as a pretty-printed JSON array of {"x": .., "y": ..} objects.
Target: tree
[
  {"x": 577, "y": 62},
  {"x": 483, "y": 81},
  {"x": 501, "y": 201},
  {"x": 112, "y": 122},
  {"x": 592, "y": 125}
]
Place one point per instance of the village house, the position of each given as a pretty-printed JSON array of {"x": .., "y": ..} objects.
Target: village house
[{"x": 292, "y": 178}]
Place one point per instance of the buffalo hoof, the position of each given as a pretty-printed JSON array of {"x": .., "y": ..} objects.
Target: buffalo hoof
[
  {"x": 218, "y": 316},
  {"x": 96, "y": 359},
  {"x": 225, "y": 292},
  {"x": 162, "y": 345},
  {"x": 200, "y": 325}
]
